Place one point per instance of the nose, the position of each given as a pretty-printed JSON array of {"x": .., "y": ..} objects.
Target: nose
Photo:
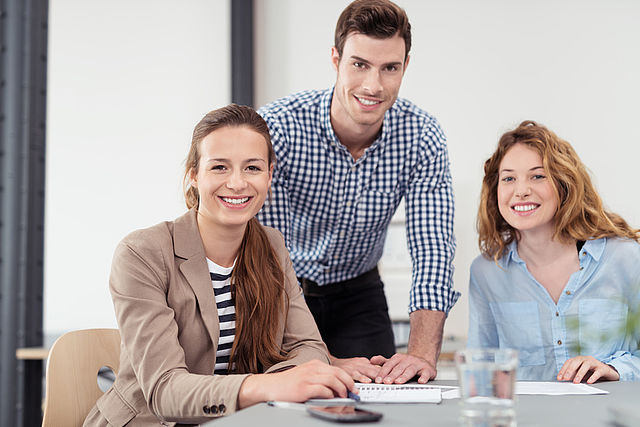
[
  {"x": 236, "y": 181},
  {"x": 372, "y": 82},
  {"x": 522, "y": 189}
]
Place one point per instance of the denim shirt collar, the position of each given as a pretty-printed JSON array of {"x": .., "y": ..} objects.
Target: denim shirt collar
[{"x": 593, "y": 248}]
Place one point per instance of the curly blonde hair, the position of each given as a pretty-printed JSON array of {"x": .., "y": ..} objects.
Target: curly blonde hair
[{"x": 580, "y": 214}]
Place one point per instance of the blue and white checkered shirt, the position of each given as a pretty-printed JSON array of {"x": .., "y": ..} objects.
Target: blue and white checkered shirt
[{"x": 334, "y": 212}]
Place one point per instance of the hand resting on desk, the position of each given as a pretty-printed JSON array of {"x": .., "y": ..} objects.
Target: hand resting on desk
[
  {"x": 398, "y": 369},
  {"x": 580, "y": 367},
  {"x": 310, "y": 380}
]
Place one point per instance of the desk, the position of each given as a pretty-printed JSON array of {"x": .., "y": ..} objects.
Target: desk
[{"x": 592, "y": 410}]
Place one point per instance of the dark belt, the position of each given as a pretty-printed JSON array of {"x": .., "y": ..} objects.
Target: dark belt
[{"x": 312, "y": 289}]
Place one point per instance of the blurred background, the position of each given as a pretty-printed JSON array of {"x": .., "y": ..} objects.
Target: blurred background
[{"x": 128, "y": 81}]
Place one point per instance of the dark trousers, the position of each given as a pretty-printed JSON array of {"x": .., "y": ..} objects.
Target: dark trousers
[{"x": 352, "y": 316}]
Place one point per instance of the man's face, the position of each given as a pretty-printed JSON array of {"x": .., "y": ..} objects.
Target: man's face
[{"x": 369, "y": 76}]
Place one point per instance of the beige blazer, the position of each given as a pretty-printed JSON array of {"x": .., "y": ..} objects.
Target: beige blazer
[{"x": 166, "y": 312}]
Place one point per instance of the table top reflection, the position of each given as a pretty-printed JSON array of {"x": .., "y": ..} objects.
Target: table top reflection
[{"x": 578, "y": 410}]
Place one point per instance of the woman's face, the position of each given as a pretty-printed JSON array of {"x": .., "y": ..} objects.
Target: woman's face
[
  {"x": 526, "y": 198},
  {"x": 234, "y": 175}
]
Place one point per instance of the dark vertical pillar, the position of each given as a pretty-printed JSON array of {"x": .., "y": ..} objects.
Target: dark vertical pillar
[
  {"x": 23, "y": 66},
  {"x": 242, "y": 52}
]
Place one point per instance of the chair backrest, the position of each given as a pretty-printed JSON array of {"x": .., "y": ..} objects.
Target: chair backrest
[{"x": 72, "y": 371}]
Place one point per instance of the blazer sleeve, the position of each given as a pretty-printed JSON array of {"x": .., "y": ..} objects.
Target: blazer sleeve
[
  {"x": 301, "y": 338},
  {"x": 138, "y": 283}
]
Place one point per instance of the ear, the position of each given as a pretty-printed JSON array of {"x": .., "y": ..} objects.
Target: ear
[
  {"x": 406, "y": 64},
  {"x": 193, "y": 177},
  {"x": 335, "y": 58}
]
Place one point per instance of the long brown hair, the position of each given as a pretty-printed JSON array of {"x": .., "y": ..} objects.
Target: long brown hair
[
  {"x": 381, "y": 19},
  {"x": 257, "y": 280},
  {"x": 580, "y": 214}
]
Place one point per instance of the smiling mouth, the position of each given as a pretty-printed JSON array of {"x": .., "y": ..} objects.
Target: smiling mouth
[
  {"x": 367, "y": 102},
  {"x": 525, "y": 208},
  {"x": 235, "y": 201}
]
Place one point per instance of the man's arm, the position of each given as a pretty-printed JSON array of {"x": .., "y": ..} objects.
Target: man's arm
[
  {"x": 429, "y": 215},
  {"x": 425, "y": 341},
  {"x": 276, "y": 211}
]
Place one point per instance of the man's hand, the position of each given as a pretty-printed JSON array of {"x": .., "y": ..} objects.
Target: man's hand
[
  {"x": 360, "y": 368},
  {"x": 579, "y": 367},
  {"x": 401, "y": 367}
]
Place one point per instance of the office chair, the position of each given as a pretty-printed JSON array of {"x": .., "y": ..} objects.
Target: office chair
[{"x": 72, "y": 370}]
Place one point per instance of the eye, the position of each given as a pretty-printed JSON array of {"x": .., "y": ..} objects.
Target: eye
[
  {"x": 391, "y": 68},
  {"x": 253, "y": 168},
  {"x": 360, "y": 65},
  {"x": 507, "y": 179},
  {"x": 538, "y": 176},
  {"x": 218, "y": 168}
]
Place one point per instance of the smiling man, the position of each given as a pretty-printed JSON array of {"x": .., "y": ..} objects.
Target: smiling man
[{"x": 346, "y": 157}]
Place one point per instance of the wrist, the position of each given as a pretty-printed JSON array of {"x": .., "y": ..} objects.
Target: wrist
[{"x": 251, "y": 392}]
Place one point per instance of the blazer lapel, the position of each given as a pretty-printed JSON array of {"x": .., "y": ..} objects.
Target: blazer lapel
[{"x": 188, "y": 246}]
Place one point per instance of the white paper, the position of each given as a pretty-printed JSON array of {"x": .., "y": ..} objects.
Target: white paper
[
  {"x": 550, "y": 388},
  {"x": 555, "y": 388}
]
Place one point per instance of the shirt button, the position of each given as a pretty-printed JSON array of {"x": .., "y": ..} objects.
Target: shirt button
[
  {"x": 557, "y": 314},
  {"x": 584, "y": 253},
  {"x": 569, "y": 292},
  {"x": 581, "y": 268},
  {"x": 348, "y": 203},
  {"x": 222, "y": 408},
  {"x": 353, "y": 168},
  {"x": 342, "y": 234},
  {"x": 559, "y": 342},
  {"x": 206, "y": 409}
]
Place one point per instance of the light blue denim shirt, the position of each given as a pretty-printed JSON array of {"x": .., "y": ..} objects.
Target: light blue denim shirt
[{"x": 508, "y": 308}]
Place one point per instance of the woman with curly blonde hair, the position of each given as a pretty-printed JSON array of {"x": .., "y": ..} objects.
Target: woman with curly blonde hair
[{"x": 558, "y": 273}]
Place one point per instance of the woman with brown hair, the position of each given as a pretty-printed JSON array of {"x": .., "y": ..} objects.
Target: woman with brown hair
[
  {"x": 558, "y": 275},
  {"x": 210, "y": 313}
]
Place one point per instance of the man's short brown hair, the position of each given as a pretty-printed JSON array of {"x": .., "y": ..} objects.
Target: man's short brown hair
[{"x": 376, "y": 18}]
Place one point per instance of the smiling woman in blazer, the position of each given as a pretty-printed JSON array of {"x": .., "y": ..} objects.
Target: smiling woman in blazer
[{"x": 211, "y": 316}]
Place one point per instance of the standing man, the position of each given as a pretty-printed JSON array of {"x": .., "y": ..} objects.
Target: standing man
[{"x": 346, "y": 157}]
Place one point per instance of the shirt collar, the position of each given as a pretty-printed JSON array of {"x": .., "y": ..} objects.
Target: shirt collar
[{"x": 594, "y": 248}]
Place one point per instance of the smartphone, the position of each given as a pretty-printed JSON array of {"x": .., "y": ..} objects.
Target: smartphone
[{"x": 343, "y": 413}]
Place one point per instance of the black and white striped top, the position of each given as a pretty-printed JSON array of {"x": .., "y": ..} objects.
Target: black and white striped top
[{"x": 221, "y": 281}]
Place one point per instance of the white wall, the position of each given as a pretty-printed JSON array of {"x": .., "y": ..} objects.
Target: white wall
[
  {"x": 128, "y": 81},
  {"x": 481, "y": 67}
]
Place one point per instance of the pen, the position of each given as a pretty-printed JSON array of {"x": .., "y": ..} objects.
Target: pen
[
  {"x": 353, "y": 396},
  {"x": 287, "y": 405}
]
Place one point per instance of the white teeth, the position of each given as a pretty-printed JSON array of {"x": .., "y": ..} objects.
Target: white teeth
[
  {"x": 524, "y": 208},
  {"x": 367, "y": 102},
  {"x": 236, "y": 201}
]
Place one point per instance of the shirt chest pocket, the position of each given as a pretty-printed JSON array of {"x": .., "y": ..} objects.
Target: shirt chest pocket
[
  {"x": 374, "y": 210},
  {"x": 518, "y": 325},
  {"x": 601, "y": 326}
]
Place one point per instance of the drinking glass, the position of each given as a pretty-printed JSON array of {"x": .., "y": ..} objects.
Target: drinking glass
[{"x": 487, "y": 379}]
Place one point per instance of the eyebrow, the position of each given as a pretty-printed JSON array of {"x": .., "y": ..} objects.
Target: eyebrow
[
  {"x": 530, "y": 170},
  {"x": 257, "y": 159},
  {"x": 359, "y": 59}
]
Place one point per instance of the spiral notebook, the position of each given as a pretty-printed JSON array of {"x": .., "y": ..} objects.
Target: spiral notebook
[{"x": 399, "y": 393}]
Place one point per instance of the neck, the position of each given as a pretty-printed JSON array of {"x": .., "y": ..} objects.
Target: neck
[
  {"x": 539, "y": 249},
  {"x": 221, "y": 244},
  {"x": 356, "y": 137}
]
